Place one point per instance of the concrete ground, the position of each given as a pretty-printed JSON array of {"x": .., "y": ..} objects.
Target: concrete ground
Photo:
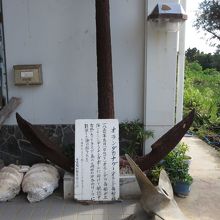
[
  {"x": 55, "y": 208},
  {"x": 203, "y": 203}
]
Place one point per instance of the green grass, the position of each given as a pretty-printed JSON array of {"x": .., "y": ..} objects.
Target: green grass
[{"x": 202, "y": 93}]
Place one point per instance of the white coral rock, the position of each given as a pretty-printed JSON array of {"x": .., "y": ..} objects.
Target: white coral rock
[
  {"x": 10, "y": 182},
  {"x": 40, "y": 181}
]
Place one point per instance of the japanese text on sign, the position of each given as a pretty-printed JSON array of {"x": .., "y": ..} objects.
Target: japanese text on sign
[{"x": 97, "y": 160}]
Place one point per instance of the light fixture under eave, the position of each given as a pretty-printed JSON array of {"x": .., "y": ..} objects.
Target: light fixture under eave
[{"x": 167, "y": 16}]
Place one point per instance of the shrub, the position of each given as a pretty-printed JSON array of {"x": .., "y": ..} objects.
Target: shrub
[
  {"x": 132, "y": 137},
  {"x": 176, "y": 166},
  {"x": 202, "y": 93}
]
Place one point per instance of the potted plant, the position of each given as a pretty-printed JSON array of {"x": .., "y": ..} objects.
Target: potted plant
[
  {"x": 176, "y": 164},
  {"x": 181, "y": 186}
]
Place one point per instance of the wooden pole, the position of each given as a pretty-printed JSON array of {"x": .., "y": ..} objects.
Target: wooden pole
[
  {"x": 104, "y": 60},
  {"x": 8, "y": 109}
]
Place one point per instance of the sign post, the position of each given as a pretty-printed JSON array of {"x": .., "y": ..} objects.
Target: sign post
[{"x": 96, "y": 160}]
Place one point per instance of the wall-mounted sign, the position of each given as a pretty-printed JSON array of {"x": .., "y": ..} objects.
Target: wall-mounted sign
[
  {"x": 96, "y": 160},
  {"x": 28, "y": 74}
]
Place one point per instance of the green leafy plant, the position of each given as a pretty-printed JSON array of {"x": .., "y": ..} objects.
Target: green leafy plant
[
  {"x": 202, "y": 93},
  {"x": 184, "y": 177},
  {"x": 176, "y": 166},
  {"x": 132, "y": 137},
  {"x": 154, "y": 174}
]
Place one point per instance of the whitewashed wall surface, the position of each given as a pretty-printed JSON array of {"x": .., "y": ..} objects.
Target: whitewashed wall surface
[{"x": 61, "y": 35}]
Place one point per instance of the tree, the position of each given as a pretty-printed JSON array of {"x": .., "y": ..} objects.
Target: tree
[
  {"x": 216, "y": 61},
  {"x": 208, "y": 18},
  {"x": 205, "y": 60},
  {"x": 191, "y": 54},
  {"x": 104, "y": 60}
]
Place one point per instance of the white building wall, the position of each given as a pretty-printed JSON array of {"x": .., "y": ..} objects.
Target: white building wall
[
  {"x": 160, "y": 77},
  {"x": 128, "y": 50},
  {"x": 60, "y": 35}
]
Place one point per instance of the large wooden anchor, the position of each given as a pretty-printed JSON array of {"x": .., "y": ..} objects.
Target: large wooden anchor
[{"x": 52, "y": 151}]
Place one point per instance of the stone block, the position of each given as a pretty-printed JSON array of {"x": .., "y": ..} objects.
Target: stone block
[
  {"x": 68, "y": 185},
  {"x": 129, "y": 188}
]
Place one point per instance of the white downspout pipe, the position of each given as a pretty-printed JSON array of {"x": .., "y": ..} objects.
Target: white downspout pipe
[{"x": 180, "y": 70}]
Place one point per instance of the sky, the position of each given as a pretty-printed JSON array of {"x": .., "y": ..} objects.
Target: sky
[{"x": 193, "y": 38}]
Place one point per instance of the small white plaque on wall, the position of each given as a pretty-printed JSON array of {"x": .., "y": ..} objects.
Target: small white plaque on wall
[{"x": 96, "y": 159}]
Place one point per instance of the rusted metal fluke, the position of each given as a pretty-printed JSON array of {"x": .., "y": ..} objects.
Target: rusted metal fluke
[
  {"x": 53, "y": 152},
  {"x": 47, "y": 148},
  {"x": 164, "y": 144}
]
